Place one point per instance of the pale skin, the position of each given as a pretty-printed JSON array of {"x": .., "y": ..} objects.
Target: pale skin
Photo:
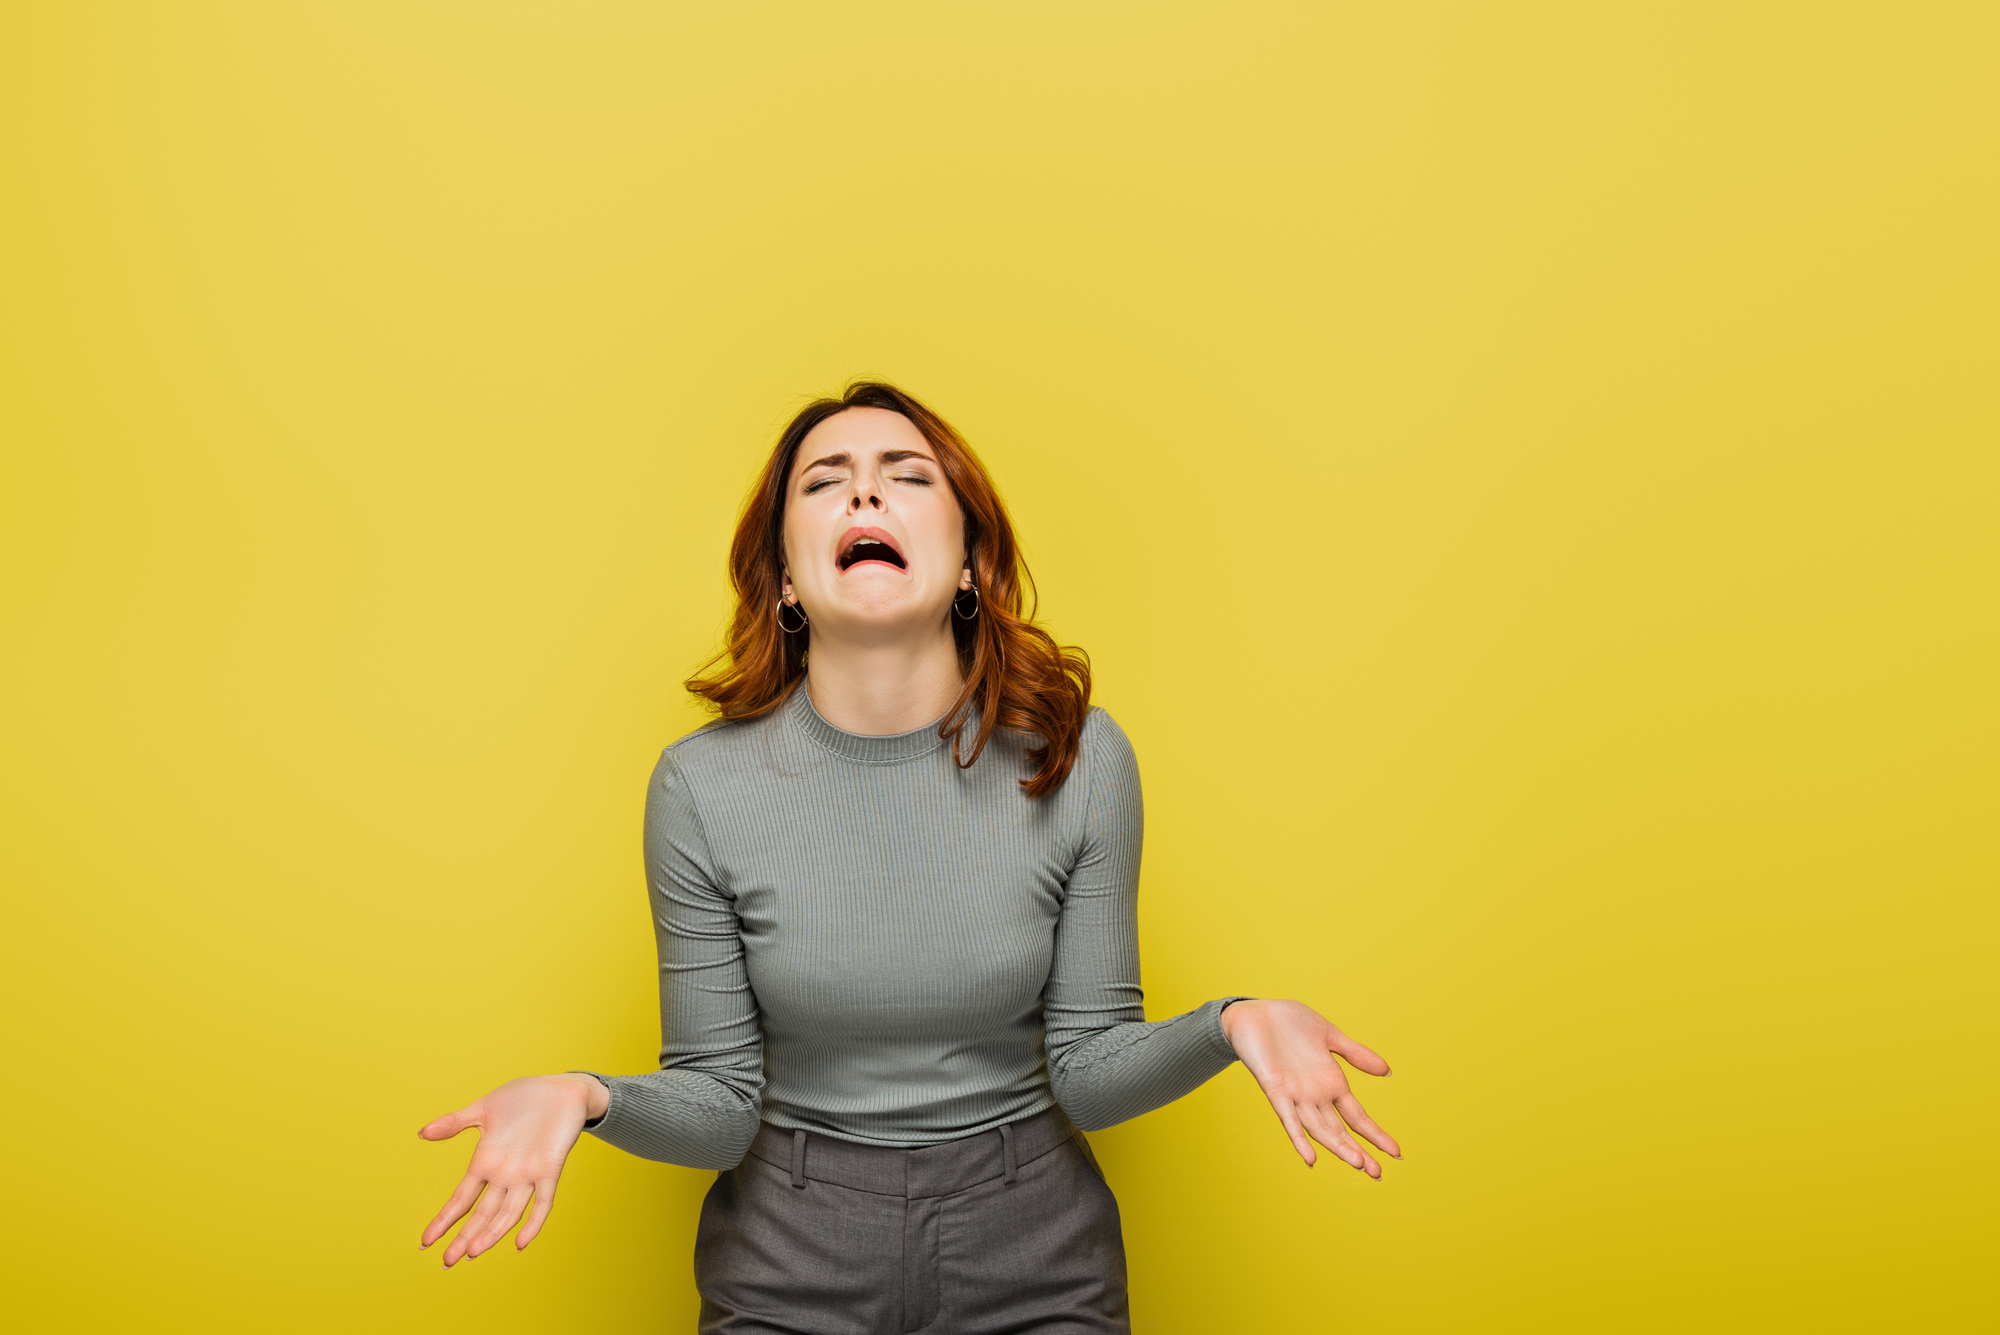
[{"x": 882, "y": 662}]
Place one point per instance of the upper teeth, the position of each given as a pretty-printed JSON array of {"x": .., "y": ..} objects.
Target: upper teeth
[{"x": 873, "y": 542}]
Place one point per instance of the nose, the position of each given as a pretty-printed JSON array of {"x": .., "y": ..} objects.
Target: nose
[{"x": 865, "y": 493}]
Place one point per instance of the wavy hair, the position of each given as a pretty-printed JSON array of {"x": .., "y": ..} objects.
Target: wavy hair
[{"x": 1016, "y": 676}]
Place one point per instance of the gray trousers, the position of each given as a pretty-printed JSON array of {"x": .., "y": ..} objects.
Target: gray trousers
[{"x": 1003, "y": 1233}]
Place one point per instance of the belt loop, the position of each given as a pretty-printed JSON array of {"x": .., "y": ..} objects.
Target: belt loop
[
  {"x": 798, "y": 1158},
  {"x": 1008, "y": 1169}
]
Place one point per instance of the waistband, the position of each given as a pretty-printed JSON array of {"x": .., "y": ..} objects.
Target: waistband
[{"x": 931, "y": 1170}]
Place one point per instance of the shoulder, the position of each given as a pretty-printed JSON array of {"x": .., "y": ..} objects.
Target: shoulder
[
  {"x": 1105, "y": 755},
  {"x": 712, "y": 750},
  {"x": 698, "y": 769},
  {"x": 1102, "y": 736},
  {"x": 711, "y": 737},
  {"x": 717, "y": 742}
]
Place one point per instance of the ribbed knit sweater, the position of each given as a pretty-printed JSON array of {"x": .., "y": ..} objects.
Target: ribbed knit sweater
[{"x": 859, "y": 938}]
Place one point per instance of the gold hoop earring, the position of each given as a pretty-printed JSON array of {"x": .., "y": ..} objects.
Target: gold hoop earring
[
  {"x": 962, "y": 614},
  {"x": 804, "y": 620}
]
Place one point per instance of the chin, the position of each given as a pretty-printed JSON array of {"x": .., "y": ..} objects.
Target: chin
[{"x": 885, "y": 613}]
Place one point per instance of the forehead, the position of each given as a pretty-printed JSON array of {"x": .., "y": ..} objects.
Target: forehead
[{"x": 860, "y": 432}]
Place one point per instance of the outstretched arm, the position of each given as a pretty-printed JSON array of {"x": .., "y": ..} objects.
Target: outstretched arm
[
  {"x": 700, "y": 1108},
  {"x": 1107, "y": 1063}
]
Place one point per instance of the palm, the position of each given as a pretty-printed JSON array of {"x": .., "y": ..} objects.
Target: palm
[
  {"x": 1290, "y": 1049},
  {"x": 526, "y": 1130}
]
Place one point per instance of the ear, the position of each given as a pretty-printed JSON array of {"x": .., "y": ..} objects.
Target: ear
[
  {"x": 785, "y": 586},
  {"x": 965, "y": 579}
]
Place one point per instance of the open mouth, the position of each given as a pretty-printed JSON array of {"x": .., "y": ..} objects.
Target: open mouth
[{"x": 862, "y": 545}]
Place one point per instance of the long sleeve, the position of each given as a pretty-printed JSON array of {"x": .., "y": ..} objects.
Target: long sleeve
[
  {"x": 1106, "y": 1063},
  {"x": 701, "y": 1107}
]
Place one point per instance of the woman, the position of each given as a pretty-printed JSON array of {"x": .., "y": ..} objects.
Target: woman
[{"x": 896, "y": 918}]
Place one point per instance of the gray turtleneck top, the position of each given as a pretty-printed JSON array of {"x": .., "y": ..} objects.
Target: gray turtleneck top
[{"x": 859, "y": 938}]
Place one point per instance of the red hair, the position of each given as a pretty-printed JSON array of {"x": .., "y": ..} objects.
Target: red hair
[{"x": 1016, "y": 675}]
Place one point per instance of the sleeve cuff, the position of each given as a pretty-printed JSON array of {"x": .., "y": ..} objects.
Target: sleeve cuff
[
  {"x": 1217, "y": 1037},
  {"x": 611, "y": 1108}
]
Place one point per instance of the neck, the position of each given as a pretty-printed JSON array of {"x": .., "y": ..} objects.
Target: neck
[{"x": 878, "y": 689}]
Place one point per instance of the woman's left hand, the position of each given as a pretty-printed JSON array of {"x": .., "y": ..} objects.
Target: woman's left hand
[{"x": 1290, "y": 1048}]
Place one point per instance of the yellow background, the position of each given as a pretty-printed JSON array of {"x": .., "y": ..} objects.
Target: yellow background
[{"x": 1525, "y": 474}]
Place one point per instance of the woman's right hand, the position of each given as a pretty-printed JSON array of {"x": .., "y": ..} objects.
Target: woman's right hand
[{"x": 526, "y": 1129}]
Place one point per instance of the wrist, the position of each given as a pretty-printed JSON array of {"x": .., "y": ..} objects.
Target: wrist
[
  {"x": 1236, "y": 1013},
  {"x": 592, "y": 1095}
]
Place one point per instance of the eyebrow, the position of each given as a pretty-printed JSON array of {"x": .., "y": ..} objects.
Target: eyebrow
[{"x": 888, "y": 457}]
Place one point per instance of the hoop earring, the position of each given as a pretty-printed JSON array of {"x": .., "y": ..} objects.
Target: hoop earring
[
  {"x": 804, "y": 620},
  {"x": 962, "y": 615}
]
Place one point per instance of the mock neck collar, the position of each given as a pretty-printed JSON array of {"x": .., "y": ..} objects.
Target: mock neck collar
[{"x": 863, "y": 750}]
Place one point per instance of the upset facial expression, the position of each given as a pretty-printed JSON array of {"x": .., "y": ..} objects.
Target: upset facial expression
[{"x": 874, "y": 538}]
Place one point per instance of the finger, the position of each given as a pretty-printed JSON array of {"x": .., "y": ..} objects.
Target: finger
[
  {"x": 1289, "y": 1119},
  {"x": 1327, "y": 1128},
  {"x": 1328, "y": 1131},
  {"x": 454, "y": 1209},
  {"x": 484, "y": 1229},
  {"x": 504, "y": 1217},
  {"x": 1365, "y": 1127},
  {"x": 545, "y": 1199},
  {"x": 461, "y": 1245},
  {"x": 1359, "y": 1055},
  {"x": 449, "y": 1125}
]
